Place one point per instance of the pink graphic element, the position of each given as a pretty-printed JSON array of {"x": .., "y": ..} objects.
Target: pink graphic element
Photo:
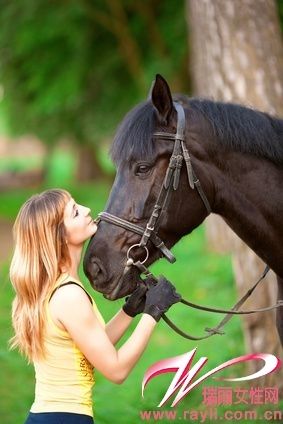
[{"x": 181, "y": 365}]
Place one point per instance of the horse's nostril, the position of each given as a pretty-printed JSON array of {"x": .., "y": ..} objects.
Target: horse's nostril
[
  {"x": 96, "y": 273},
  {"x": 94, "y": 269}
]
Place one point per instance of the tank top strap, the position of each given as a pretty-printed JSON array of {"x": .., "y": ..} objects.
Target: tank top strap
[
  {"x": 65, "y": 279},
  {"x": 71, "y": 282}
]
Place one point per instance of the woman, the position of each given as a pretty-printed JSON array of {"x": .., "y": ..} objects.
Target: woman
[{"x": 56, "y": 322}]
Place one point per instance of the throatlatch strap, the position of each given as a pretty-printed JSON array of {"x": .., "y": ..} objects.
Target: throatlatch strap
[{"x": 72, "y": 282}]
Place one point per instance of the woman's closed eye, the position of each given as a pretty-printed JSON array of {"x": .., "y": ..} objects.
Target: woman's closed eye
[{"x": 76, "y": 213}]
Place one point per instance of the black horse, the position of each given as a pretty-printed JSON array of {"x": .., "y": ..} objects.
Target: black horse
[{"x": 237, "y": 155}]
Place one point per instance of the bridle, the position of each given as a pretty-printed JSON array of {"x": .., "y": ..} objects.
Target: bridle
[{"x": 171, "y": 183}]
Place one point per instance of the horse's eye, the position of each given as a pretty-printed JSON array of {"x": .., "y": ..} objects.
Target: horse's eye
[{"x": 142, "y": 169}]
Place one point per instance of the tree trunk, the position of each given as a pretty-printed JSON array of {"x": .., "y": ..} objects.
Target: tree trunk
[
  {"x": 88, "y": 166},
  {"x": 237, "y": 56}
]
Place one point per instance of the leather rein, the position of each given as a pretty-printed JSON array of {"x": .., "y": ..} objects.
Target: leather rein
[{"x": 170, "y": 184}]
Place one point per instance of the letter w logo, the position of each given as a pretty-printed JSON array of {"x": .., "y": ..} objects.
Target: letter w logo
[{"x": 181, "y": 366}]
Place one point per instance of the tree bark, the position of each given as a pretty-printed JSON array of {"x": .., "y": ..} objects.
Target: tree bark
[
  {"x": 88, "y": 166},
  {"x": 237, "y": 56}
]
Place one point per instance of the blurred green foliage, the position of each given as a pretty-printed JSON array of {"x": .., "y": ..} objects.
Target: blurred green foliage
[
  {"x": 280, "y": 11},
  {"x": 73, "y": 68}
]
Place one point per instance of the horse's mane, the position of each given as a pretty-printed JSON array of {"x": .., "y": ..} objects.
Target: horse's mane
[
  {"x": 243, "y": 129},
  {"x": 236, "y": 127}
]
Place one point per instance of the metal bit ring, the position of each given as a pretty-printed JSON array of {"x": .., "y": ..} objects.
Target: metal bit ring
[{"x": 131, "y": 259}]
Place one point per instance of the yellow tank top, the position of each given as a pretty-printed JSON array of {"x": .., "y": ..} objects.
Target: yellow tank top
[{"x": 64, "y": 380}]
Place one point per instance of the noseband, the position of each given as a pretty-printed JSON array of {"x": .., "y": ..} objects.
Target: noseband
[{"x": 170, "y": 184}]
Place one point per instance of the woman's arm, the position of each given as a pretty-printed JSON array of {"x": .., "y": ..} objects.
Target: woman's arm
[
  {"x": 117, "y": 326},
  {"x": 76, "y": 314},
  {"x": 133, "y": 306}
]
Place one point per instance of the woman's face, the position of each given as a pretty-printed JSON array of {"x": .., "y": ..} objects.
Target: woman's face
[{"x": 78, "y": 223}]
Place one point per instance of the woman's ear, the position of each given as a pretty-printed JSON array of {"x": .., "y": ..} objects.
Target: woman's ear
[{"x": 162, "y": 99}]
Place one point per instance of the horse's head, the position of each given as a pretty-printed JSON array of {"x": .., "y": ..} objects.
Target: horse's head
[{"x": 142, "y": 160}]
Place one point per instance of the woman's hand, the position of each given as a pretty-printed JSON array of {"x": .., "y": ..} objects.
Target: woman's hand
[
  {"x": 135, "y": 303},
  {"x": 160, "y": 297}
]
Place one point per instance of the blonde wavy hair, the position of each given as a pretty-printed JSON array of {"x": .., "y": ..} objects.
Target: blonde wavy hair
[{"x": 40, "y": 252}]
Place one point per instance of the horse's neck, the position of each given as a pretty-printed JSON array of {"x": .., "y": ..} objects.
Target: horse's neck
[{"x": 249, "y": 198}]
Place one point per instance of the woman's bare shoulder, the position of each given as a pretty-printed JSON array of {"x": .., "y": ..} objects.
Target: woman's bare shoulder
[{"x": 66, "y": 297}]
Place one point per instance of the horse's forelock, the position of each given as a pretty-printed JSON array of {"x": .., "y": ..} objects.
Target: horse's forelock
[{"x": 133, "y": 138}]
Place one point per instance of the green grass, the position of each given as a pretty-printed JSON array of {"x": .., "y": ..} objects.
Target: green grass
[
  {"x": 19, "y": 164},
  {"x": 199, "y": 275}
]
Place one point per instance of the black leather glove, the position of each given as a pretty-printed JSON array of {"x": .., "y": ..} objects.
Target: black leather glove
[
  {"x": 160, "y": 297},
  {"x": 136, "y": 301}
]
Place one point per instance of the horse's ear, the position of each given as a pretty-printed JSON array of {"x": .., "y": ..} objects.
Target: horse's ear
[
  {"x": 150, "y": 90},
  {"x": 161, "y": 99}
]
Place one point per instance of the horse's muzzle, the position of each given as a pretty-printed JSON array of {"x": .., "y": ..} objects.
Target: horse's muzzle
[{"x": 96, "y": 274}]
